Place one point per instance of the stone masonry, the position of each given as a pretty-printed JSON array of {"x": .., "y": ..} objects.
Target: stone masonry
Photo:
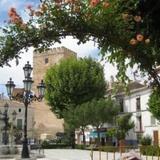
[{"x": 45, "y": 121}]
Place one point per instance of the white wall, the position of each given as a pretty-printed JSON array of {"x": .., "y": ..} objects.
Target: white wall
[{"x": 130, "y": 106}]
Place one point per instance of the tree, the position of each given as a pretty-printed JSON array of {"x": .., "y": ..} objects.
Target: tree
[
  {"x": 70, "y": 124},
  {"x": 123, "y": 124},
  {"x": 127, "y": 30},
  {"x": 154, "y": 103},
  {"x": 73, "y": 82},
  {"x": 102, "y": 111},
  {"x": 82, "y": 113},
  {"x": 78, "y": 118}
]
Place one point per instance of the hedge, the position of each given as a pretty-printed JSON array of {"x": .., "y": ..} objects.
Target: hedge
[{"x": 150, "y": 150}]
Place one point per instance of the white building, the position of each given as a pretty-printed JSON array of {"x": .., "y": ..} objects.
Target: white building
[
  {"x": 17, "y": 124},
  {"x": 136, "y": 102}
]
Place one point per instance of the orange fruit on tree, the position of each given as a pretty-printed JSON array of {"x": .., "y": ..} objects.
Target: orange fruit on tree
[
  {"x": 133, "y": 42},
  {"x": 147, "y": 40},
  {"x": 139, "y": 37},
  {"x": 137, "y": 18}
]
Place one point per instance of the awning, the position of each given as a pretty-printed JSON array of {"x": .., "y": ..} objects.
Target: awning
[{"x": 94, "y": 134}]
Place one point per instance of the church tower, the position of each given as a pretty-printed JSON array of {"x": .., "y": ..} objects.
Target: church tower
[{"x": 46, "y": 123}]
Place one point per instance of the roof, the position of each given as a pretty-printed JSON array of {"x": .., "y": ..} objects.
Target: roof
[
  {"x": 135, "y": 85},
  {"x": 18, "y": 94},
  {"x": 132, "y": 86}
]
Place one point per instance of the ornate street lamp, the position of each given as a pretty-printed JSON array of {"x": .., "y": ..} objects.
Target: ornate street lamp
[
  {"x": 10, "y": 86},
  {"x": 41, "y": 89},
  {"x": 27, "y": 99}
]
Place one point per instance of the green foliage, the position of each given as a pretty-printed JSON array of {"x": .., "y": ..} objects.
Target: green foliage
[
  {"x": 80, "y": 146},
  {"x": 113, "y": 27},
  {"x": 102, "y": 111},
  {"x": 109, "y": 148},
  {"x": 123, "y": 125},
  {"x": 111, "y": 132},
  {"x": 150, "y": 150},
  {"x": 146, "y": 140},
  {"x": 154, "y": 103},
  {"x": 95, "y": 113},
  {"x": 48, "y": 145},
  {"x": 73, "y": 82}
]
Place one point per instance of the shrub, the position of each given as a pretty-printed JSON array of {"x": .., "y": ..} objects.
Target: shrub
[
  {"x": 146, "y": 140},
  {"x": 47, "y": 145},
  {"x": 150, "y": 150},
  {"x": 109, "y": 148},
  {"x": 80, "y": 146}
]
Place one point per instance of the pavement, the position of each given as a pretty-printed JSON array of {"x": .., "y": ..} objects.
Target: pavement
[{"x": 75, "y": 154}]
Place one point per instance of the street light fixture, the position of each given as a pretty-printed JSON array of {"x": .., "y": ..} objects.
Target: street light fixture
[
  {"x": 41, "y": 89},
  {"x": 27, "y": 99},
  {"x": 10, "y": 86}
]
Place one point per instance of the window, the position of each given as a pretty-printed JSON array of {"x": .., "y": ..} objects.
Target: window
[
  {"x": 138, "y": 104},
  {"x": 153, "y": 120},
  {"x": 46, "y": 60},
  {"x": 121, "y": 105},
  {"x": 19, "y": 123},
  {"x": 19, "y": 110},
  {"x": 139, "y": 124}
]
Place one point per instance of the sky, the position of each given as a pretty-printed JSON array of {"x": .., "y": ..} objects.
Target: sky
[{"x": 16, "y": 72}]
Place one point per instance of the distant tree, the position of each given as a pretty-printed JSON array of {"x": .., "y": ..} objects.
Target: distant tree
[
  {"x": 73, "y": 82},
  {"x": 123, "y": 124},
  {"x": 154, "y": 103},
  {"x": 82, "y": 114},
  {"x": 102, "y": 111},
  {"x": 77, "y": 118}
]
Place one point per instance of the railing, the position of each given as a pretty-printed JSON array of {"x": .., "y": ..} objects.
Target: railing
[{"x": 116, "y": 153}]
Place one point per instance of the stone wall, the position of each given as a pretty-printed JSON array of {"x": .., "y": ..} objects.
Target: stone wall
[
  {"x": 43, "y": 61},
  {"x": 45, "y": 121}
]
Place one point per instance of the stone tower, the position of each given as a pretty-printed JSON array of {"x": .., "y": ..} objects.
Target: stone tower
[
  {"x": 45, "y": 121},
  {"x": 43, "y": 61}
]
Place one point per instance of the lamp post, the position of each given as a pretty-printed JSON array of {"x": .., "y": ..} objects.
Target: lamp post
[
  {"x": 4, "y": 117},
  {"x": 27, "y": 98}
]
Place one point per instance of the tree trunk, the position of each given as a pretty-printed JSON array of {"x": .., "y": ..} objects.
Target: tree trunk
[
  {"x": 98, "y": 136},
  {"x": 84, "y": 138},
  {"x": 72, "y": 138},
  {"x": 121, "y": 145}
]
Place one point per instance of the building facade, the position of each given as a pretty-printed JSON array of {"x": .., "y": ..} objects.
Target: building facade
[
  {"x": 137, "y": 104},
  {"x": 16, "y": 124}
]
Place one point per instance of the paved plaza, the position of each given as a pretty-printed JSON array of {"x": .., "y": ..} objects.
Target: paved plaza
[{"x": 75, "y": 154}]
